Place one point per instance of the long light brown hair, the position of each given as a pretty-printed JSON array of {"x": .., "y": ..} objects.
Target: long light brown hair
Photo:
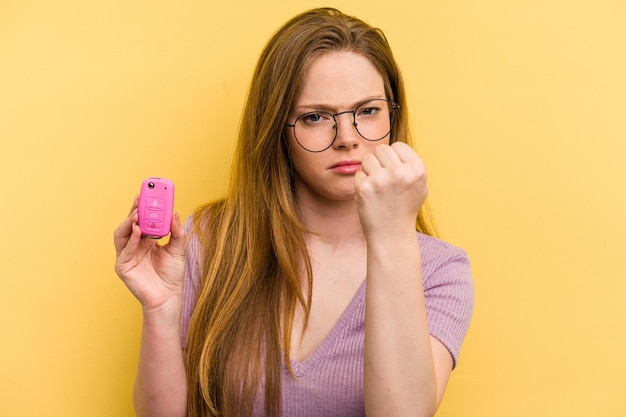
[{"x": 254, "y": 254}]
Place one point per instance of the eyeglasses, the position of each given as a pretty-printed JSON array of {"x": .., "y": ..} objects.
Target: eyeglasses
[{"x": 316, "y": 131}]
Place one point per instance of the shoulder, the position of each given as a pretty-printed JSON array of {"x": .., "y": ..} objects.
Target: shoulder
[
  {"x": 437, "y": 254},
  {"x": 433, "y": 245}
]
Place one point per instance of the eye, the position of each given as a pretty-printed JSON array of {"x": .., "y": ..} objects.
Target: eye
[
  {"x": 368, "y": 110},
  {"x": 315, "y": 118}
]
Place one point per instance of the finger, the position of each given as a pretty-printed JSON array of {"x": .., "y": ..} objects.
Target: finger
[
  {"x": 409, "y": 157},
  {"x": 359, "y": 177},
  {"x": 370, "y": 164},
  {"x": 121, "y": 234},
  {"x": 124, "y": 230},
  {"x": 134, "y": 239},
  {"x": 136, "y": 244},
  {"x": 404, "y": 152},
  {"x": 386, "y": 156},
  {"x": 177, "y": 238}
]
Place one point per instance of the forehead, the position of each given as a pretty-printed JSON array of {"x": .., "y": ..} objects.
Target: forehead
[{"x": 340, "y": 79}]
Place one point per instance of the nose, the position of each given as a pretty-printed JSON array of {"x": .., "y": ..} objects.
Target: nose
[{"x": 347, "y": 136}]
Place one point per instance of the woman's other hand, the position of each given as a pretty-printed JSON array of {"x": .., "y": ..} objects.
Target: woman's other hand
[{"x": 153, "y": 273}]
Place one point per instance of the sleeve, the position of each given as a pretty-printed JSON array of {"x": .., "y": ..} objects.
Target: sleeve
[
  {"x": 191, "y": 280},
  {"x": 449, "y": 292}
]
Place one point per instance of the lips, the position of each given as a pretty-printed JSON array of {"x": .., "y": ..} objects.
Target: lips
[
  {"x": 346, "y": 167},
  {"x": 346, "y": 163}
]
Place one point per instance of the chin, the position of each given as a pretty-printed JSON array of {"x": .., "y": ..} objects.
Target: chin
[{"x": 342, "y": 195}]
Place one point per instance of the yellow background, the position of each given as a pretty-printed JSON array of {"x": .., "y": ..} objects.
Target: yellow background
[{"x": 519, "y": 109}]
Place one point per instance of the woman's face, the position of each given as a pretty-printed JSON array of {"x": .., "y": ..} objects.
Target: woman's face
[{"x": 336, "y": 82}]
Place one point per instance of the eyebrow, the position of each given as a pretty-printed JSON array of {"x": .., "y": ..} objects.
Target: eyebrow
[{"x": 329, "y": 108}]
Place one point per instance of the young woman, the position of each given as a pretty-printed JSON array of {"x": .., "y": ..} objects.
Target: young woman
[{"x": 307, "y": 290}]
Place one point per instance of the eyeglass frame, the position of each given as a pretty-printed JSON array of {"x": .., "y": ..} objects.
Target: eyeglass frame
[{"x": 394, "y": 106}]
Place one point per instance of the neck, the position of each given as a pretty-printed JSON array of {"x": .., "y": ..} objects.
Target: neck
[{"x": 330, "y": 221}]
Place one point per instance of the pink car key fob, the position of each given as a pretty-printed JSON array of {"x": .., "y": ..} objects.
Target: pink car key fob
[{"x": 155, "y": 208}]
